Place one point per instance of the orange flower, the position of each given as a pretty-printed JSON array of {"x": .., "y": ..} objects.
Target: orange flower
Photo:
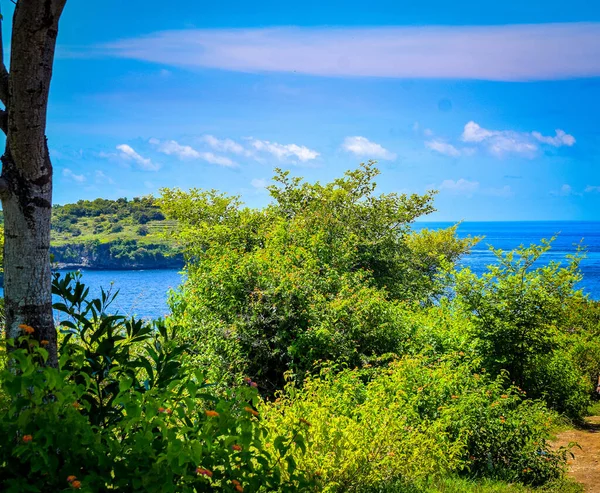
[
  {"x": 76, "y": 405},
  {"x": 248, "y": 409},
  {"x": 169, "y": 411},
  {"x": 203, "y": 472},
  {"x": 27, "y": 438},
  {"x": 161, "y": 409},
  {"x": 504, "y": 396},
  {"x": 76, "y": 484},
  {"x": 44, "y": 342},
  {"x": 239, "y": 488},
  {"x": 211, "y": 414},
  {"x": 27, "y": 329},
  {"x": 235, "y": 482},
  {"x": 454, "y": 396},
  {"x": 236, "y": 447},
  {"x": 71, "y": 478}
]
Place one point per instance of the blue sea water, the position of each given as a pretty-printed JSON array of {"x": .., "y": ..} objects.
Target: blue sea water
[
  {"x": 509, "y": 235},
  {"x": 144, "y": 293}
]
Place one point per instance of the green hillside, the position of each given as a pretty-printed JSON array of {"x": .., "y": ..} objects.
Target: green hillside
[
  {"x": 105, "y": 220},
  {"x": 112, "y": 234}
]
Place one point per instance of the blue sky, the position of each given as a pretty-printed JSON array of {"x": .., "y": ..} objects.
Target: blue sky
[{"x": 496, "y": 106}]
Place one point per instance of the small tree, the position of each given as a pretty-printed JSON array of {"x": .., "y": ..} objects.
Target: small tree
[{"x": 26, "y": 180}]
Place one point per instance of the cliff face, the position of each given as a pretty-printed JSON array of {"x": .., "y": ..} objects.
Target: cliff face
[{"x": 116, "y": 255}]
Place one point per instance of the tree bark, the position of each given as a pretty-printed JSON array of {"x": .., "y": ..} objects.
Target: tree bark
[{"x": 26, "y": 190}]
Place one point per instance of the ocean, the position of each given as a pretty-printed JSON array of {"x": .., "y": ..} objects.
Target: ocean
[
  {"x": 509, "y": 235},
  {"x": 144, "y": 293}
]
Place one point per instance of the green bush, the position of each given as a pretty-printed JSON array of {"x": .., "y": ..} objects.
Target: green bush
[
  {"x": 520, "y": 319},
  {"x": 420, "y": 419},
  {"x": 318, "y": 274},
  {"x": 124, "y": 413}
]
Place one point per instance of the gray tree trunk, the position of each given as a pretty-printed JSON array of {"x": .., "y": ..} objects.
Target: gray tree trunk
[{"x": 26, "y": 181}]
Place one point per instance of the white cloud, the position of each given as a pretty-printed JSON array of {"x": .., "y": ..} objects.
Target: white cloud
[
  {"x": 174, "y": 148},
  {"x": 223, "y": 145},
  {"x": 285, "y": 151},
  {"x": 522, "y": 52},
  {"x": 502, "y": 142},
  {"x": 211, "y": 158},
  {"x": 592, "y": 189},
  {"x": 443, "y": 148},
  {"x": 363, "y": 147},
  {"x": 561, "y": 138},
  {"x": 102, "y": 177},
  {"x": 69, "y": 174},
  {"x": 259, "y": 183},
  {"x": 460, "y": 186},
  {"x": 127, "y": 152},
  {"x": 474, "y": 133}
]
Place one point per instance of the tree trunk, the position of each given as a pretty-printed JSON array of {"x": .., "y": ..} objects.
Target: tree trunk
[{"x": 26, "y": 187}]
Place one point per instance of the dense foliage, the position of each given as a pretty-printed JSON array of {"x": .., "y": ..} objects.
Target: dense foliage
[
  {"x": 421, "y": 418},
  {"x": 318, "y": 344},
  {"x": 318, "y": 274},
  {"x": 123, "y": 413},
  {"x": 105, "y": 213}
]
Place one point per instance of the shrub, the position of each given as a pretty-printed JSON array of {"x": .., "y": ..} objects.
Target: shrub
[
  {"x": 123, "y": 413},
  {"x": 421, "y": 418},
  {"x": 319, "y": 273},
  {"x": 520, "y": 320}
]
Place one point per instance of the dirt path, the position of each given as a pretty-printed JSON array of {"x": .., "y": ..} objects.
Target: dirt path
[{"x": 585, "y": 467}]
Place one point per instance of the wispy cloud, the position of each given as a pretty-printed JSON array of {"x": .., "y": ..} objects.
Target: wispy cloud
[
  {"x": 102, "y": 177},
  {"x": 442, "y": 147},
  {"x": 560, "y": 139},
  {"x": 505, "y": 53},
  {"x": 459, "y": 187},
  {"x": 184, "y": 152},
  {"x": 363, "y": 147},
  {"x": 565, "y": 190},
  {"x": 592, "y": 189},
  {"x": 503, "y": 142},
  {"x": 284, "y": 151},
  {"x": 70, "y": 174},
  {"x": 222, "y": 145},
  {"x": 128, "y": 153}
]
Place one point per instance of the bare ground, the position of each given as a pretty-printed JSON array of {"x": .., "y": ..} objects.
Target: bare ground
[{"x": 585, "y": 467}]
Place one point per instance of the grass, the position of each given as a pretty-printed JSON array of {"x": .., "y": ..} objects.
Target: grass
[
  {"x": 464, "y": 485},
  {"x": 156, "y": 233}
]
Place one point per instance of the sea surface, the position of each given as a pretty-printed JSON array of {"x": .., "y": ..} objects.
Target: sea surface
[
  {"x": 144, "y": 293},
  {"x": 509, "y": 235}
]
